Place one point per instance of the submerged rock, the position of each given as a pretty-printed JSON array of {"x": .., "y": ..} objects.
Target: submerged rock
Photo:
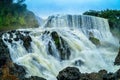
[
  {"x": 117, "y": 59},
  {"x": 94, "y": 40},
  {"x": 78, "y": 63}
]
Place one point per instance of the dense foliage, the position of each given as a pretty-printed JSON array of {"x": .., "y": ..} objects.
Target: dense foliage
[
  {"x": 15, "y": 14},
  {"x": 11, "y": 13}
]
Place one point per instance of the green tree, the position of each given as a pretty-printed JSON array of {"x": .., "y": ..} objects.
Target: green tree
[{"x": 10, "y": 12}]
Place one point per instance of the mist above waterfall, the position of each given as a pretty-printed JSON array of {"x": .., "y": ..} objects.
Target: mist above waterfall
[{"x": 84, "y": 42}]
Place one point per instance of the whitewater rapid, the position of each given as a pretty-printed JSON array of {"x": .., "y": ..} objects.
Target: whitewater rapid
[{"x": 64, "y": 40}]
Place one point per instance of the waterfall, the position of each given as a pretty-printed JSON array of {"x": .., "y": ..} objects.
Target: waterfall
[
  {"x": 81, "y": 41},
  {"x": 99, "y": 27}
]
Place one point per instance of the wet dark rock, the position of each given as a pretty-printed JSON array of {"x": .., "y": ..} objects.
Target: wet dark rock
[
  {"x": 20, "y": 35},
  {"x": 3, "y": 60},
  {"x": 61, "y": 45},
  {"x": 46, "y": 32},
  {"x": 27, "y": 42},
  {"x": 109, "y": 76},
  {"x": 5, "y": 39},
  {"x": 10, "y": 34},
  {"x": 13, "y": 31},
  {"x": 118, "y": 74},
  {"x": 26, "y": 32},
  {"x": 69, "y": 73},
  {"x": 50, "y": 48},
  {"x": 55, "y": 37},
  {"x": 78, "y": 63},
  {"x": 8, "y": 69},
  {"x": 17, "y": 33},
  {"x": 16, "y": 39},
  {"x": 94, "y": 76},
  {"x": 117, "y": 59},
  {"x": 4, "y": 52},
  {"x": 102, "y": 73},
  {"x": 10, "y": 40},
  {"x": 94, "y": 40}
]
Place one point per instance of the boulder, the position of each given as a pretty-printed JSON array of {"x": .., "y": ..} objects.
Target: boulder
[
  {"x": 69, "y": 73},
  {"x": 61, "y": 45},
  {"x": 94, "y": 40},
  {"x": 93, "y": 76},
  {"x": 72, "y": 73},
  {"x": 109, "y": 76}
]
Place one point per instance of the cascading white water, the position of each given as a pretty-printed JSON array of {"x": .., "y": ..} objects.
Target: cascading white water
[
  {"x": 87, "y": 24},
  {"x": 64, "y": 41}
]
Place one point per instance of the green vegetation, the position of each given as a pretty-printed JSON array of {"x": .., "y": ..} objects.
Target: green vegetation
[
  {"x": 113, "y": 17},
  {"x": 15, "y": 15}
]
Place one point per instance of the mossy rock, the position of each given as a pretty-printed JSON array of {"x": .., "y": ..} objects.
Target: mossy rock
[
  {"x": 61, "y": 45},
  {"x": 94, "y": 40}
]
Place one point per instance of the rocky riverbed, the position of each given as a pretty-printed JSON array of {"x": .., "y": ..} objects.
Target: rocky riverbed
[{"x": 12, "y": 71}]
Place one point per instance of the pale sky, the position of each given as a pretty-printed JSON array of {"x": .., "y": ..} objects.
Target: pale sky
[{"x": 44, "y": 8}]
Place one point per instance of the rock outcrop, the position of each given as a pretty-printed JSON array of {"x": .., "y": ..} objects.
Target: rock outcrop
[
  {"x": 69, "y": 73},
  {"x": 62, "y": 46},
  {"x": 60, "y": 43},
  {"x": 8, "y": 69},
  {"x": 72, "y": 73},
  {"x": 117, "y": 59}
]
